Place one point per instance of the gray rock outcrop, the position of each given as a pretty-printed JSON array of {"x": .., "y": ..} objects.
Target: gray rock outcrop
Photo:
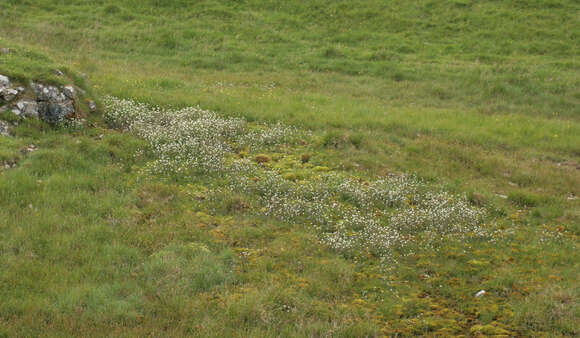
[
  {"x": 54, "y": 105},
  {"x": 69, "y": 92},
  {"x": 26, "y": 109},
  {"x": 7, "y": 93},
  {"x": 50, "y": 103},
  {"x": 4, "y": 81}
]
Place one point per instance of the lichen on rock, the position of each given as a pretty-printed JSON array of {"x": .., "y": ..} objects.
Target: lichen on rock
[{"x": 50, "y": 103}]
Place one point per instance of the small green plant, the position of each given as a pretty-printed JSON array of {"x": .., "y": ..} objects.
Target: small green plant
[
  {"x": 186, "y": 268},
  {"x": 356, "y": 140},
  {"x": 333, "y": 139},
  {"x": 290, "y": 176},
  {"x": 112, "y": 9},
  {"x": 523, "y": 199},
  {"x": 262, "y": 158}
]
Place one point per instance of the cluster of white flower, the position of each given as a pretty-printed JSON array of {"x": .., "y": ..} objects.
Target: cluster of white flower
[
  {"x": 351, "y": 215},
  {"x": 122, "y": 114},
  {"x": 384, "y": 193},
  {"x": 265, "y": 136},
  {"x": 358, "y": 217},
  {"x": 550, "y": 235},
  {"x": 189, "y": 139},
  {"x": 359, "y": 233},
  {"x": 393, "y": 191},
  {"x": 399, "y": 209},
  {"x": 439, "y": 212}
]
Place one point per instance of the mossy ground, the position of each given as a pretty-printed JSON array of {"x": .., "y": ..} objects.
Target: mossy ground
[{"x": 92, "y": 247}]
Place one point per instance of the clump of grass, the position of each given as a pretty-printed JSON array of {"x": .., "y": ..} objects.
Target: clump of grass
[
  {"x": 290, "y": 176},
  {"x": 337, "y": 139},
  {"x": 262, "y": 158},
  {"x": 333, "y": 139},
  {"x": 356, "y": 140},
  {"x": 236, "y": 203},
  {"x": 102, "y": 303},
  {"x": 523, "y": 199},
  {"x": 321, "y": 168},
  {"x": 111, "y": 9},
  {"x": 551, "y": 310},
  {"x": 186, "y": 268}
]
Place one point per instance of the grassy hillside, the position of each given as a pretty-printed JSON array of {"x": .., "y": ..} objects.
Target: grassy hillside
[
  {"x": 474, "y": 98},
  {"x": 491, "y": 57}
]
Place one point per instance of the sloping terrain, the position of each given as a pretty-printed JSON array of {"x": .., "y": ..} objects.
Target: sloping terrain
[{"x": 320, "y": 168}]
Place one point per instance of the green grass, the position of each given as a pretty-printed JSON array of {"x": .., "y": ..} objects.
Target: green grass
[
  {"x": 22, "y": 64},
  {"x": 478, "y": 97},
  {"x": 492, "y": 57}
]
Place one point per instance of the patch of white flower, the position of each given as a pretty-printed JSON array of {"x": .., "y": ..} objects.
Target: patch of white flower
[
  {"x": 123, "y": 114},
  {"x": 438, "y": 212},
  {"x": 264, "y": 136},
  {"x": 387, "y": 192},
  {"x": 189, "y": 139},
  {"x": 362, "y": 218},
  {"x": 362, "y": 234},
  {"x": 350, "y": 215}
]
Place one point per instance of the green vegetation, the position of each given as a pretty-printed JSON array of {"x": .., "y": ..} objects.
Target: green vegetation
[
  {"x": 475, "y": 98},
  {"x": 22, "y": 64}
]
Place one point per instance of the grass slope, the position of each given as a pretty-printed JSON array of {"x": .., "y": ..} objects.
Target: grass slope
[
  {"x": 491, "y": 57},
  {"x": 479, "y": 97}
]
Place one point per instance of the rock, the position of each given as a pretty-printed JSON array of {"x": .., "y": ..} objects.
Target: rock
[
  {"x": 92, "y": 106},
  {"x": 55, "y": 112},
  {"x": 54, "y": 106},
  {"x": 8, "y": 94},
  {"x": 30, "y": 148},
  {"x": 4, "y": 129},
  {"x": 69, "y": 92},
  {"x": 47, "y": 93},
  {"x": 5, "y": 51},
  {"x": 4, "y": 81},
  {"x": 570, "y": 164},
  {"x": 27, "y": 108}
]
